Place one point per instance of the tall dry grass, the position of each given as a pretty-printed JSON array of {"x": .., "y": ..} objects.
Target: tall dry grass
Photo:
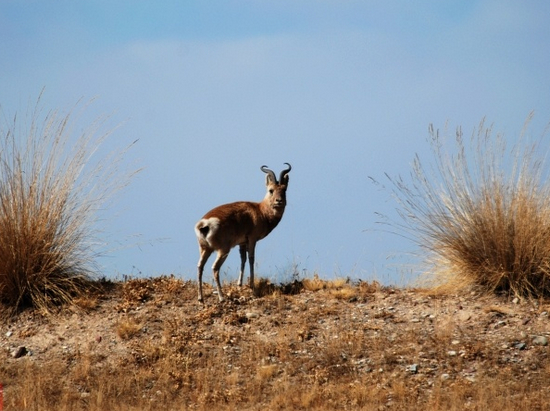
[
  {"x": 482, "y": 212},
  {"x": 50, "y": 190}
]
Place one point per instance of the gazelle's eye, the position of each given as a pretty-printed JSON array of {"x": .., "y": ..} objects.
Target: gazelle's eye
[{"x": 270, "y": 191}]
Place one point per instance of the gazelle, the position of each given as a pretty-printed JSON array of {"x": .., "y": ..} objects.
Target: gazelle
[{"x": 243, "y": 223}]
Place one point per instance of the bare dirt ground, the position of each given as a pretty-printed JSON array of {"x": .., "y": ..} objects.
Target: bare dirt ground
[{"x": 148, "y": 344}]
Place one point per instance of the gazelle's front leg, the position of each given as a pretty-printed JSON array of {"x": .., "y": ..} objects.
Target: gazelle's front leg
[
  {"x": 251, "y": 252},
  {"x": 242, "y": 251}
]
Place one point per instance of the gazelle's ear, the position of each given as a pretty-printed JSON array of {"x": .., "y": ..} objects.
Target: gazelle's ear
[
  {"x": 270, "y": 176},
  {"x": 284, "y": 175}
]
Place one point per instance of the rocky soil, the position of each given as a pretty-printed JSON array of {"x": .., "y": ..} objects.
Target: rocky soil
[{"x": 361, "y": 346}]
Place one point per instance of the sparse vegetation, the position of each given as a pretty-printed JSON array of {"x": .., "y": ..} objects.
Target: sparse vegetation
[
  {"x": 482, "y": 214},
  {"x": 49, "y": 194},
  {"x": 385, "y": 348}
]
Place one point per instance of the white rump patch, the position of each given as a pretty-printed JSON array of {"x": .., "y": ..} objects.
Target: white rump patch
[{"x": 213, "y": 223}]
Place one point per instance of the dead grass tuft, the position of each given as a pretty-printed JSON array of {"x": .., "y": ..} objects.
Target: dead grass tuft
[
  {"x": 128, "y": 328},
  {"x": 317, "y": 283},
  {"x": 86, "y": 302},
  {"x": 49, "y": 193},
  {"x": 344, "y": 293},
  {"x": 482, "y": 213},
  {"x": 263, "y": 287},
  {"x": 368, "y": 288}
]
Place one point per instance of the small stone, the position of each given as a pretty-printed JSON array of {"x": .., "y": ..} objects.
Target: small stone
[
  {"x": 464, "y": 316},
  {"x": 520, "y": 346},
  {"x": 540, "y": 340},
  {"x": 515, "y": 300},
  {"x": 451, "y": 353},
  {"x": 19, "y": 352},
  {"x": 9, "y": 334},
  {"x": 252, "y": 315},
  {"x": 413, "y": 368},
  {"x": 98, "y": 338},
  {"x": 445, "y": 377}
]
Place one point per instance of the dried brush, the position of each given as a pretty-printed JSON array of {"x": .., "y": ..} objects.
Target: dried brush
[{"x": 50, "y": 191}]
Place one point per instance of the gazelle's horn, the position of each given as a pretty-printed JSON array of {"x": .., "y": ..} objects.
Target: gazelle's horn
[
  {"x": 285, "y": 172},
  {"x": 270, "y": 172}
]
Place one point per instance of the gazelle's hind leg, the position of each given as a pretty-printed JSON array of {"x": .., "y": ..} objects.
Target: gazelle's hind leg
[
  {"x": 205, "y": 253},
  {"x": 222, "y": 255},
  {"x": 242, "y": 250}
]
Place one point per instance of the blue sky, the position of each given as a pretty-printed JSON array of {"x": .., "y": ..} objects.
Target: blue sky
[{"x": 342, "y": 90}]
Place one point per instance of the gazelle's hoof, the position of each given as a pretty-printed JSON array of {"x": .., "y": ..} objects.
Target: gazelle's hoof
[{"x": 220, "y": 295}]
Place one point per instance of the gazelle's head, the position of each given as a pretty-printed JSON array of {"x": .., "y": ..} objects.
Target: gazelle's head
[{"x": 275, "y": 197}]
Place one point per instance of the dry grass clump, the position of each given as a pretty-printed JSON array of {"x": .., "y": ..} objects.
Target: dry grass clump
[
  {"x": 482, "y": 213},
  {"x": 48, "y": 199},
  {"x": 340, "y": 288},
  {"x": 128, "y": 328},
  {"x": 317, "y": 283}
]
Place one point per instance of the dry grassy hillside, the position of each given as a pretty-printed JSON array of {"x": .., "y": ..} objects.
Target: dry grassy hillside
[
  {"x": 312, "y": 345},
  {"x": 481, "y": 214}
]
